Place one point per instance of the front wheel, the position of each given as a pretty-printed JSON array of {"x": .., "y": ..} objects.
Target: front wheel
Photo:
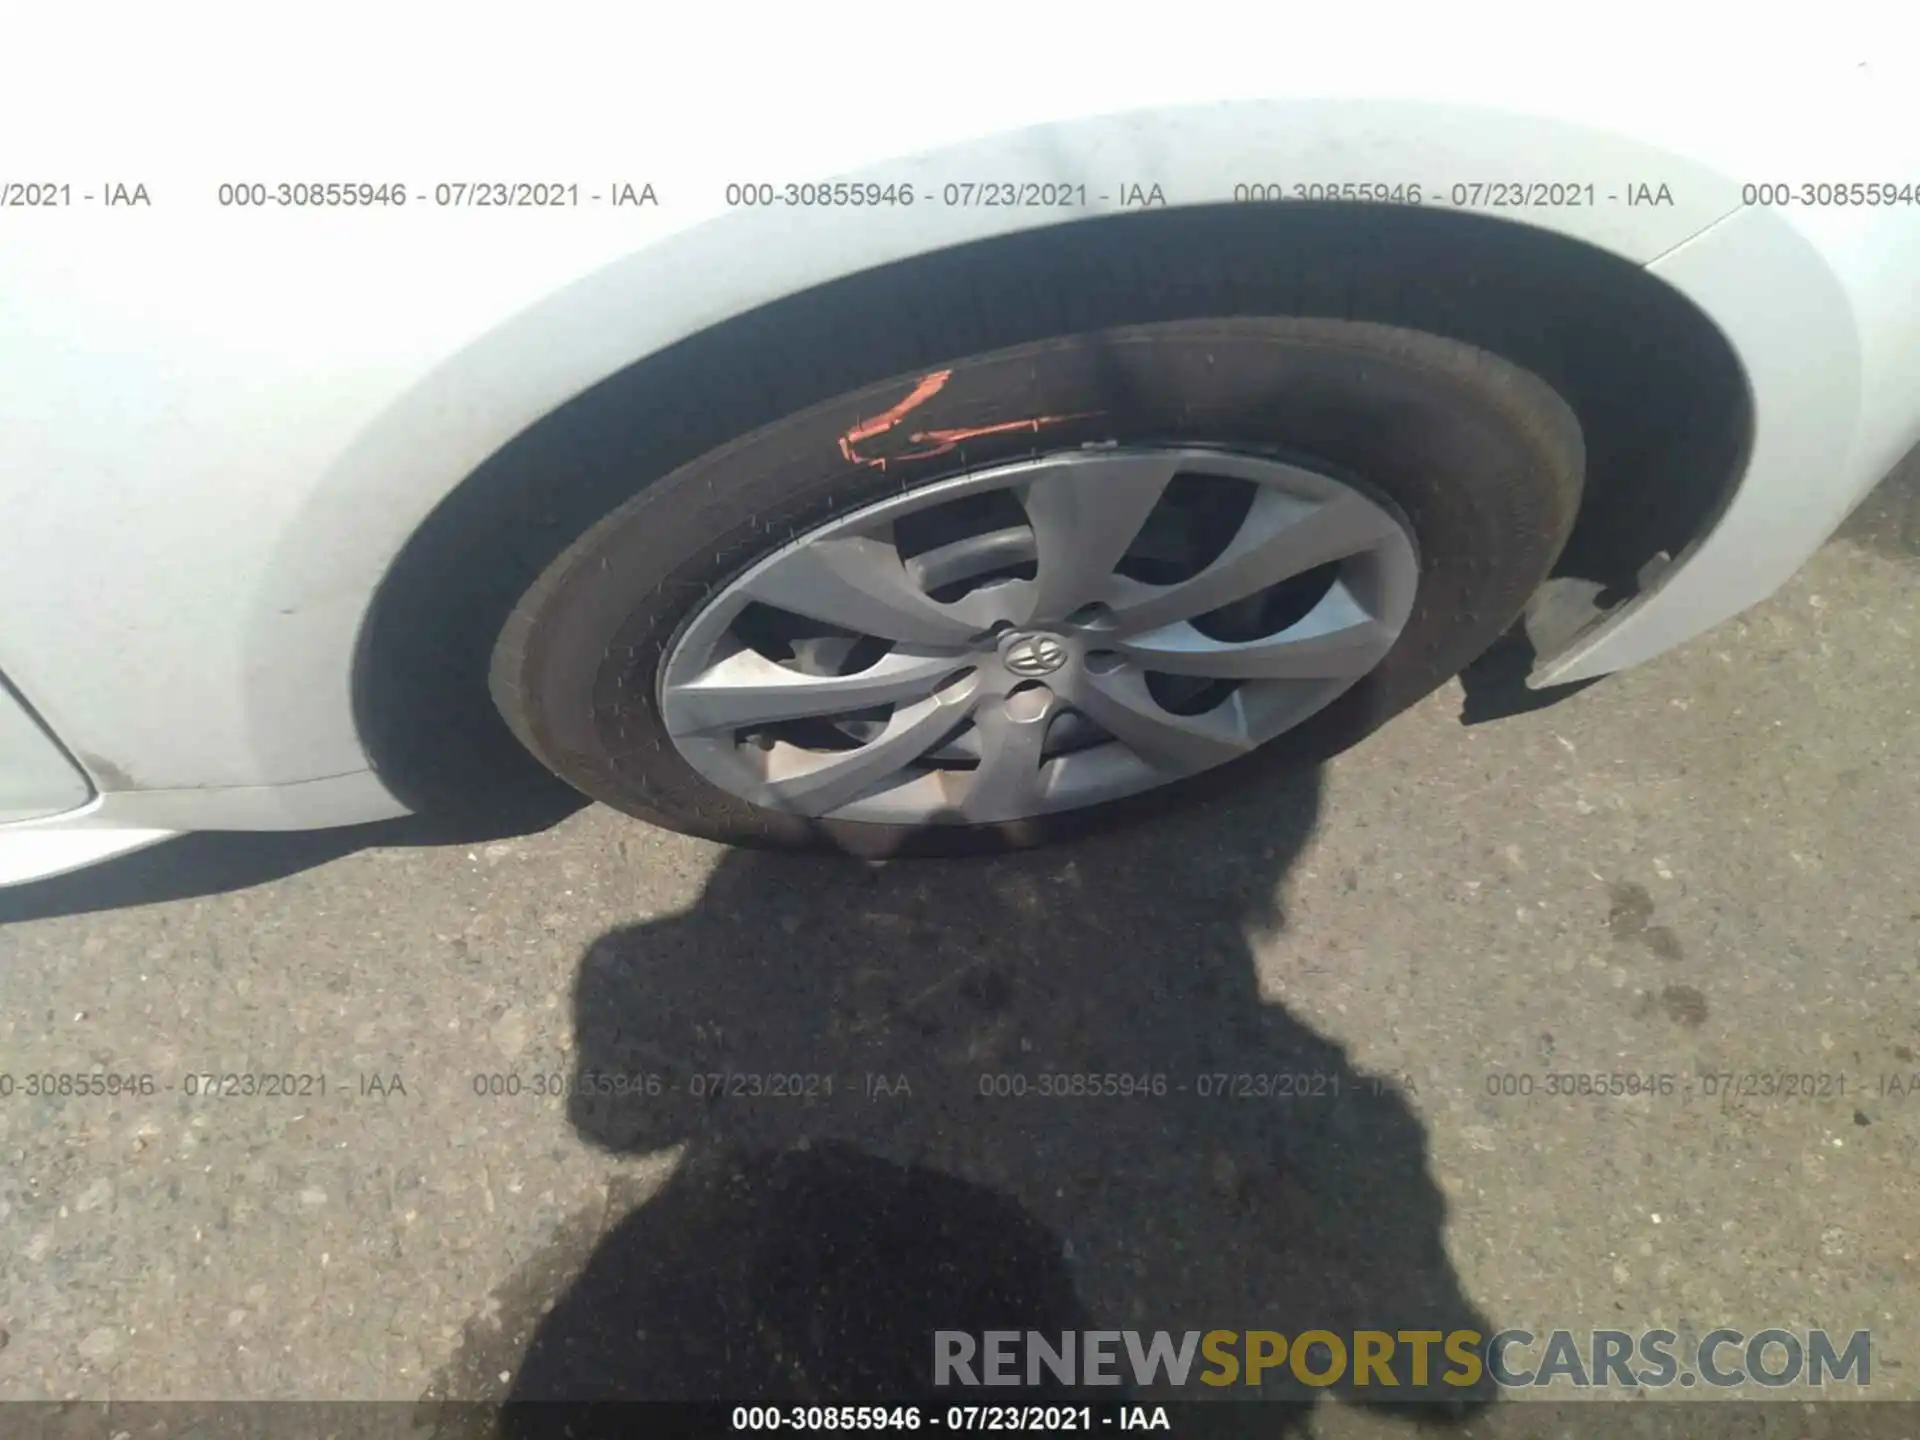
[{"x": 1038, "y": 591}]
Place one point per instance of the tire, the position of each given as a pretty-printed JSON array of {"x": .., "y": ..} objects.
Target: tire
[{"x": 1480, "y": 460}]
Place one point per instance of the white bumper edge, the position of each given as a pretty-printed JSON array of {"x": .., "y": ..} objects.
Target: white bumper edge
[
  {"x": 1823, "y": 309},
  {"x": 122, "y": 821},
  {"x": 41, "y": 849}
]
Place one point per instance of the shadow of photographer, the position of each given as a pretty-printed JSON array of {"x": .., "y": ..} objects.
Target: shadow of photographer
[{"x": 876, "y": 1079}]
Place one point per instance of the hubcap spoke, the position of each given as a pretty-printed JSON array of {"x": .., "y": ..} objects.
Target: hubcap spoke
[
  {"x": 1085, "y": 512},
  {"x": 1008, "y": 783},
  {"x": 1336, "y": 639},
  {"x": 858, "y": 584},
  {"x": 819, "y": 785},
  {"x": 1282, "y": 536},
  {"x": 748, "y": 689},
  {"x": 1121, "y": 704}
]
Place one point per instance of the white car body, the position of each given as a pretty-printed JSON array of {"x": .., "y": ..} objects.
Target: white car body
[{"x": 219, "y": 427}]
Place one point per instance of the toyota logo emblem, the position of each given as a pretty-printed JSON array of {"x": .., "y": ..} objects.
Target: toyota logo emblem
[{"x": 1032, "y": 655}]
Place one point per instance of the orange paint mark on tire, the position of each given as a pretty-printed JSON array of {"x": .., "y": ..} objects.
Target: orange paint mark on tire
[
  {"x": 879, "y": 425},
  {"x": 938, "y": 441}
]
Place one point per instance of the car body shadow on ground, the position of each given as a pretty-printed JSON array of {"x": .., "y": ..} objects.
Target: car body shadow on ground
[{"x": 857, "y": 1066}]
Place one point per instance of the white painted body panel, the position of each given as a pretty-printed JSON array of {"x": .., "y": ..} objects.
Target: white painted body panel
[
  {"x": 1825, "y": 315},
  {"x": 36, "y": 780},
  {"x": 218, "y": 427}
]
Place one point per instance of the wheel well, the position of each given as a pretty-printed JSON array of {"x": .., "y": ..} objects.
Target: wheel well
[{"x": 1659, "y": 393}]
